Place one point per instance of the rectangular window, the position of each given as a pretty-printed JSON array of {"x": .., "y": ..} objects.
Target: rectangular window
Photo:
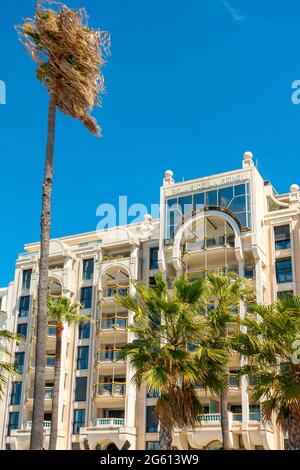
[
  {"x": 19, "y": 362},
  {"x": 82, "y": 357},
  {"x": 88, "y": 269},
  {"x": 24, "y": 306},
  {"x": 284, "y": 293},
  {"x": 22, "y": 330},
  {"x": 153, "y": 258},
  {"x": 51, "y": 330},
  {"x": 16, "y": 391},
  {"x": 86, "y": 297},
  {"x": 152, "y": 445},
  {"x": 282, "y": 237},
  {"x": 84, "y": 330},
  {"x": 79, "y": 420},
  {"x": 26, "y": 278},
  {"x": 151, "y": 420},
  {"x": 80, "y": 388},
  {"x": 13, "y": 421},
  {"x": 284, "y": 271}
]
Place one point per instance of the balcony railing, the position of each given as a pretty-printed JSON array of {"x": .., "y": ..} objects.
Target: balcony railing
[
  {"x": 253, "y": 416},
  {"x": 209, "y": 417},
  {"x": 113, "y": 291},
  {"x": 108, "y": 422},
  {"x": 110, "y": 389},
  {"x": 109, "y": 355},
  {"x": 47, "y": 424},
  {"x": 48, "y": 393},
  {"x": 116, "y": 322}
]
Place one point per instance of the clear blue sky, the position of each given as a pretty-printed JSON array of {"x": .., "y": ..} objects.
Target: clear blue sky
[{"x": 190, "y": 86}]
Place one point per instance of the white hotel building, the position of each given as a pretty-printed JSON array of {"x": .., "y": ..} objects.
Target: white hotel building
[{"x": 247, "y": 227}]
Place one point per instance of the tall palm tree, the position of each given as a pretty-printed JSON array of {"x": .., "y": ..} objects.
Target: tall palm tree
[
  {"x": 69, "y": 56},
  {"x": 165, "y": 325},
  {"x": 270, "y": 345},
  {"x": 6, "y": 364},
  {"x": 61, "y": 310},
  {"x": 227, "y": 291}
]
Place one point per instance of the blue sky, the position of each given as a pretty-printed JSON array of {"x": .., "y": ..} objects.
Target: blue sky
[{"x": 190, "y": 86}]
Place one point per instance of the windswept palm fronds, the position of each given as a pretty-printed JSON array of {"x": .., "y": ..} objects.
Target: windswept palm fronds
[{"x": 70, "y": 56}]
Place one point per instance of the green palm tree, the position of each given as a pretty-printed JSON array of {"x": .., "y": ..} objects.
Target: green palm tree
[
  {"x": 226, "y": 291},
  {"x": 70, "y": 56},
  {"x": 270, "y": 345},
  {"x": 6, "y": 362},
  {"x": 61, "y": 310},
  {"x": 166, "y": 324}
]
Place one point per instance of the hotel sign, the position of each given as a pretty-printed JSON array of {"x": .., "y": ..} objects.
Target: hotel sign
[{"x": 207, "y": 183}]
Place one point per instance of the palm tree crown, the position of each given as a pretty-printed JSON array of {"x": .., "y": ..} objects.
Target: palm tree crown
[
  {"x": 166, "y": 325},
  {"x": 270, "y": 345}
]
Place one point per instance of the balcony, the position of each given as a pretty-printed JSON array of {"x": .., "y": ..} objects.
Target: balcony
[
  {"x": 47, "y": 425},
  {"x": 109, "y": 355},
  {"x": 113, "y": 323},
  {"x": 110, "y": 328},
  {"x": 211, "y": 417},
  {"x": 108, "y": 422},
  {"x": 108, "y": 394},
  {"x": 47, "y": 402},
  {"x": 110, "y": 389},
  {"x": 104, "y": 430},
  {"x": 111, "y": 292}
]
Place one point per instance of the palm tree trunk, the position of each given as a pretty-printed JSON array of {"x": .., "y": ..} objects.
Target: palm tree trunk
[
  {"x": 293, "y": 422},
  {"x": 57, "y": 371},
  {"x": 165, "y": 438},
  {"x": 224, "y": 420},
  {"x": 36, "y": 442}
]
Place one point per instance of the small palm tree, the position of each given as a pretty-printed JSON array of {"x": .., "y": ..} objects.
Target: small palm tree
[
  {"x": 61, "y": 310},
  {"x": 270, "y": 345},
  {"x": 227, "y": 291},
  {"x": 165, "y": 325},
  {"x": 6, "y": 364},
  {"x": 70, "y": 56}
]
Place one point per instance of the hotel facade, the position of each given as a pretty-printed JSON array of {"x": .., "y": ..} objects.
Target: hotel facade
[{"x": 230, "y": 222}]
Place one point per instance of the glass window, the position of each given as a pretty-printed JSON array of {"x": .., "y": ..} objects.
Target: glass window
[
  {"x": 24, "y": 306},
  {"x": 88, "y": 269},
  {"x": 152, "y": 445},
  {"x": 86, "y": 297},
  {"x": 282, "y": 237},
  {"x": 238, "y": 204},
  {"x": 13, "y": 421},
  {"x": 284, "y": 293},
  {"x": 198, "y": 201},
  {"x": 26, "y": 278},
  {"x": 153, "y": 258},
  {"x": 239, "y": 189},
  {"x": 79, "y": 420},
  {"x": 185, "y": 204},
  {"x": 84, "y": 330},
  {"x": 225, "y": 196},
  {"x": 19, "y": 362},
  {"x": 212, "y": 198},
  {"x": 83, "y": 357},
  {"x": 16, "y": 391},
  {"x": 151, "y": 420},
  {"x": 22, "y": 329},
  {"x": 80, "y": 388},
  {"x": 284, "y": 271},
  {"x": 51, "y": 329}
]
